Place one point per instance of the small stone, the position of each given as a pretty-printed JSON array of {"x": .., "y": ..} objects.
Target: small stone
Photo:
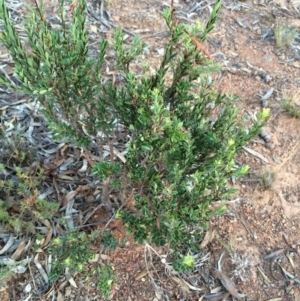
[
  {"x": 160, "y": 51},
  {"x": 265, "y": 136},
  {"x": 269, "y": 145},
  {"x": 257, "y": 78},
  {"x": 268, "y": 58},
  {"x": 268, "y": 78}
]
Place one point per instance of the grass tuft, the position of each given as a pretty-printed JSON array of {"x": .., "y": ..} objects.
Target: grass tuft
[
  {"x": 284, "y": 36},
  {"x": 267, "y": 179},
  {"x": 288, "y": 105}
]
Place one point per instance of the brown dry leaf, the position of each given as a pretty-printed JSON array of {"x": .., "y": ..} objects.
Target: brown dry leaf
[
  {"x": 40, "y": 268},
  {"x": 119, "y": 232},
  {"x": 19, "y": 251},
  {"x": 62, "y": 150},
  {"x": 32, "y": 200},
  {"x": 117, "y": 228},
  {"x": 42, "y": 219},
  {"x": 60, "y": 296},
  {"x": 70, "y": 278},
  {"x": 48, "y": 238},
  {"x": 97, "y": 257},
  {"x": 116, "y": 223},
  {"x": 130, "y": 202},
  {"x": 4, "y": 295},
  {"x": 182, "y": 284},
  {"x": 58, "y": 162},
  {"x": 62, "y": 285},
  {"x": 209, "y": 235},
  {"x": 84, "y": 166},
  {"x": 68, "y": 197},
  {"x": 227, "y": 283},
  {"x": 141, "y": 275},
  {"x": 83, "y": 188},
  {"x": 65, "y": 177},
  {"x": 297, "y": 296}
]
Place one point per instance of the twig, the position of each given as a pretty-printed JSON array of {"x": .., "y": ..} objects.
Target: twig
[
  {"x": 244, "y": 224},
  {"x": 256, "y": 154},
  {"x": 92, "y": 213},
  {"x": 107, "y": 23},
  {"x": 32, "y": 277},
  {"x": 6, "y": 75},
  {"x": 101, "y": 9}
]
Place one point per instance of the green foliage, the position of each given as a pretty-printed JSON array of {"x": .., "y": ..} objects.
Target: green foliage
[
  {"x": 58, "y": 72},
  {"x": 105, "y": 169},
  {"x": 70, "y": 251},
  {"x": 184, "y": 135},
  {"x": 105, "y": 279},
  {"x": 108, "y": 241},
  {"x": 189, "y": 261},
  {"x": 183, "y": 263}
]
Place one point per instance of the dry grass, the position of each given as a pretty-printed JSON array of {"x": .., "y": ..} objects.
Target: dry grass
[
  {"x": 290, "y": 104},
  {"x": 267, "y": 179},
  {"x": 289, "y": 107},
  {"x": 284, "y": 35}
]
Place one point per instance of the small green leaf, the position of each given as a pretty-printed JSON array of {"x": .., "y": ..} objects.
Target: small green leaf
[
  {"x": 189, "y": 261},
  {"x": 43, "y": 92}
]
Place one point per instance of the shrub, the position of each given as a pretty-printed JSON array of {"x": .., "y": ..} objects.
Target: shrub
[{"x": 183, "y": 135}]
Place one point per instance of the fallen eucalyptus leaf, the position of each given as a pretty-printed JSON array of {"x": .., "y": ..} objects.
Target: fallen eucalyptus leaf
[
  {"x": 40, "y": 268},
  {"x": 70, "y": 278},
  {"x": 19, "y": 251},
  {"x": 228, "y": 284},
  {"x": 8, "y": 244},
  {"x": 208, "y": 237}
]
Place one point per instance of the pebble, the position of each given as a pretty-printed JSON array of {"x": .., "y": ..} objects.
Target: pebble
[
  {"x": 257, "y": 78},
  {"x": 268, "y": 58},
  {"x": 265, "y": 136},
  {"x": 269, "y": 145},
  {"x": 268, "y": 78}
]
